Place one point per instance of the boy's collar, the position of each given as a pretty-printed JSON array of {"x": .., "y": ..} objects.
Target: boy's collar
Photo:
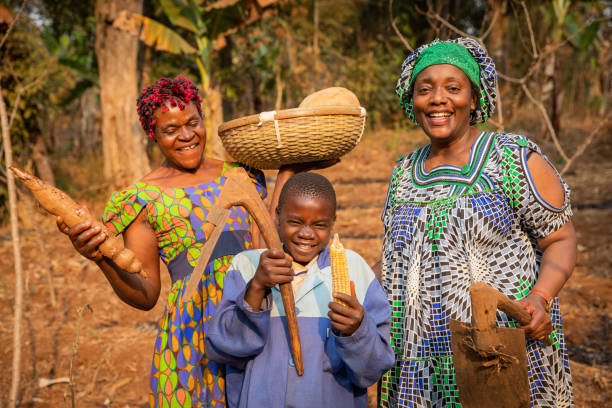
[
  {"x": 298, "y": 268},
  {"x": 312, "y": 280},
  {"x": 322, "y": 260}
]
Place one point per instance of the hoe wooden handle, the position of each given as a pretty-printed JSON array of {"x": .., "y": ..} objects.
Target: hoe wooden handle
[
  {"x": 485, "y": 302},
  {"x": 239, "y": 190}
]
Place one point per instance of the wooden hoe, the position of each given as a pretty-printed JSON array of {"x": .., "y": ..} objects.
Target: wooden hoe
[
  {"x": 490, "y": 362},
  {"x": 239, "y": 190}
]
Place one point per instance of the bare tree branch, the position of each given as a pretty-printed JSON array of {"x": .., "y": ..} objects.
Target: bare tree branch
[
  {"x": 75, "y": 347},
  {"x": 549, "y": 49},
  {"x": 500, "y": 111},
  {"x": 448, "y": 25},
  {"x": 22, "y": 89},
  {"x": 18, "y": 309},
  {"x": 549, "y": 125},
  {"x": 10, "y": 181},
  {"x": 521, "y": 35},
  {"x": 493, "y": 21},
  {"x": 495, "y": 123},
  {"x": 537, "y": 56},
  {"x": 397, "y": 31},
  {"x": 511, "y": 79},
  {"x": 13, "y": 23},
  {"x": 594, "y": 133},
  {"x": 436, "y": 16},
  {"x": 14, "y": 111},
  {"x": 530, "y": 28}
]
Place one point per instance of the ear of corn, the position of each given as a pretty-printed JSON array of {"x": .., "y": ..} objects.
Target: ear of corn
[{"x": 340, "y": 275}]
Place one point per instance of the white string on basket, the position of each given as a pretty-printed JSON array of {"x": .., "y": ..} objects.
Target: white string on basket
[
  {"x": 363, "y": 115},
  {"x": 266, "y": 117}
]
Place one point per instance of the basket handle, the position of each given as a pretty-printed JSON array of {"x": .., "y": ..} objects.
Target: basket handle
[{"x": 268, "y": 116}]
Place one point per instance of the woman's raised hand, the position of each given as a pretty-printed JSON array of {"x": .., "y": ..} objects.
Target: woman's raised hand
[{"x": 85, "y": 237}]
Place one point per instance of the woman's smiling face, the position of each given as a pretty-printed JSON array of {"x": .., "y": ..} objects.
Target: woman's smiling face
[
  {"x": 442, "y": 101},
  {"x": 181, "y": 136}
]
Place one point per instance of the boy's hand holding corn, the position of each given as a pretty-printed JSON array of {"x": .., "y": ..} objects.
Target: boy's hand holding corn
[
  {"x": 346, "y": 319},
  {"x": 345, "y": 312}
]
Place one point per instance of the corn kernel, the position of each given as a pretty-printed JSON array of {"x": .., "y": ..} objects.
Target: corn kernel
[{"x": 340, "y": 275}]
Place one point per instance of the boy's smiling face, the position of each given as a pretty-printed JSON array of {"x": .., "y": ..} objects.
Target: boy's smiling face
[{"x": 304, "y": 226}]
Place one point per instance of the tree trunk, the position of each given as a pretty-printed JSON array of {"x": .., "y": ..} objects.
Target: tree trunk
[
  {"x": 123, "y": 142},
  {"x": 604, "y": 79},
  {"x": 497, "y": 47},
  {"x": 548, "y": 90},
  {"x": 18, "y": 310},
  {"x": 278, "y": 80},
  {"x": 214, "y": 147}
]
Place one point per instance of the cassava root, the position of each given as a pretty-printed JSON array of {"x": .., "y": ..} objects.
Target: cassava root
[{"x": 59, "y": 203}]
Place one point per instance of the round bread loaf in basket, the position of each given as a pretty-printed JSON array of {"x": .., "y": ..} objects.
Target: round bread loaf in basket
[{"x": 300, "y": 135}]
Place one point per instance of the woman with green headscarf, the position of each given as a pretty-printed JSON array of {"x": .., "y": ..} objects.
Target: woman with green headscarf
[{"x": 472, "y": 206}]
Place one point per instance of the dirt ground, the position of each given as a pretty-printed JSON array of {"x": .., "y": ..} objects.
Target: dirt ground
[{"x": 115, "y": 342}]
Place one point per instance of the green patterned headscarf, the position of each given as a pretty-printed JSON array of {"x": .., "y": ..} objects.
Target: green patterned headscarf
[
  {"x": 466, "y": 54},
  {"x": 447, "y": 53}
]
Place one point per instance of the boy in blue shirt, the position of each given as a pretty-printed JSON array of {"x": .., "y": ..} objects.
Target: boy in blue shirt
[{"x": 345, "y": 348}]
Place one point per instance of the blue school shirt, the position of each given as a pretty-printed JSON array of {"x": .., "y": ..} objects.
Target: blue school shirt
[{"x": 255, "y": 345}]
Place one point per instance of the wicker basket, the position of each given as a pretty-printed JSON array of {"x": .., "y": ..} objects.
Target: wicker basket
[{"x": 271, "y": 139}]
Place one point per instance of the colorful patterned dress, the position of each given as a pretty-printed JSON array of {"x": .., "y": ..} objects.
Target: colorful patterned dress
[
  {"x": 445, "y": 229},
  {"x": 181, "y": 375}
]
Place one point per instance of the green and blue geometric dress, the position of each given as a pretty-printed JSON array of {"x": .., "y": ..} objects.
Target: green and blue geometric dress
[
  {"x": 181, "y": 374},
  {"x": 447, "y": 228}
]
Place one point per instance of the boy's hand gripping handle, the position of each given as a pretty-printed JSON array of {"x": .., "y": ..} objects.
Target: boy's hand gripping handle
[{"x": 239, "y": 190}]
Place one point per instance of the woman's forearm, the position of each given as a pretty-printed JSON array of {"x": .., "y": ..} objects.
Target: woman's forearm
[
  {"x": 284, "y": 174},
  {"x": 558, "y": 260},
  {"x": 131, "y": 288}
]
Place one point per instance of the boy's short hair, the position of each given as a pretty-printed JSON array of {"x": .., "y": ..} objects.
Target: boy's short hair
[{"x": 307, "y": 185}]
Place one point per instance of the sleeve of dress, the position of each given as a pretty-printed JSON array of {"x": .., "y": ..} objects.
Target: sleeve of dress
[
  {"x": 367, "y": 353},
  {"x": 257, "y": 177},
  {"x": 537, "y": 216},
  {"x": 236, "y": 333},
  {"x": 123, "y": 207}
]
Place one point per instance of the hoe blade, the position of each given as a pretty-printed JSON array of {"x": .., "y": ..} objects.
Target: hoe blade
[{"x": 496, "y": 378}]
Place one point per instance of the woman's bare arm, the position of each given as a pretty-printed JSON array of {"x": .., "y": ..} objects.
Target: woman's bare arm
[{"x": 559, "y": 250}]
